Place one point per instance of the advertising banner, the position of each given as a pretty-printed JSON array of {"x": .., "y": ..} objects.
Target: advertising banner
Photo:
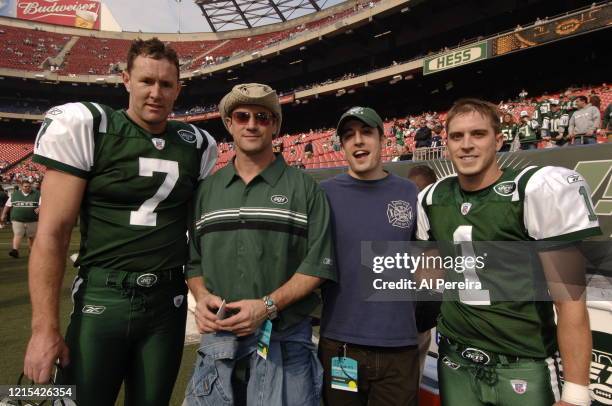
[{"x": 72, "y": 13}]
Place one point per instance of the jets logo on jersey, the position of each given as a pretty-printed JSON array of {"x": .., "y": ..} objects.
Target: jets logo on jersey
[
  {"x": 519, "y": 386},
  {"x": 187, "y": 136},
  {"x": 93, "y": 309},
  {"x": 146, "y": 280},
  {"x": 279, "y": 199},
  {"x": 505, "y": 188},
  {"x": 465, "y": 208},
  {"x": 476, "y": 356},
  {"x": 158, "y": 143},
  {"x": 399, "y": 213}
]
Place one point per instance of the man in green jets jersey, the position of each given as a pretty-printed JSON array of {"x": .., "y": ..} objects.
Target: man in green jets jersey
[
  {"x": 131, "y": 174},
  {"x": 504, "y": 352}
]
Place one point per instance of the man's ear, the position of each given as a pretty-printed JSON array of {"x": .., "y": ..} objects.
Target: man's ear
[{"x": 125, "y": 76}]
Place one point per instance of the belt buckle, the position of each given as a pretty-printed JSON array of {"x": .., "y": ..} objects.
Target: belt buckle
[
  {"x": 146, "y": 280},
  {"x": 476, "y": 356}
]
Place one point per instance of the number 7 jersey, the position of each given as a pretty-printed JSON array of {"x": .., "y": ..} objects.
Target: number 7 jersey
[
  {"x": 135, "y": 207},
  {"x": 528, "y": 204}
]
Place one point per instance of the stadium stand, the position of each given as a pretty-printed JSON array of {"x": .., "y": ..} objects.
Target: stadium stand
[
  {"x": 324, "y": 155},
  {"x": 27, "y": 49}
]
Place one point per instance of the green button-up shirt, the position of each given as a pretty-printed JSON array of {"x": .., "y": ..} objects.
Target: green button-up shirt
[{"x": 251, "y": 239}]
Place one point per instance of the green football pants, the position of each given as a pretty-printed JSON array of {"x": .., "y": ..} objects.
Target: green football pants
[
  {"x": 125, "y": 327},
  {"x": 509, "y": 382}
]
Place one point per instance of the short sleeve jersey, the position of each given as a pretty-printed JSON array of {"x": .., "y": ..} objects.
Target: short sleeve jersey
[
  {"x": 135, "y": 208},
  {"x": 535, "y": 203},
  {"x": 23, "y": 206},
  {"x": 509, "y": 131}
]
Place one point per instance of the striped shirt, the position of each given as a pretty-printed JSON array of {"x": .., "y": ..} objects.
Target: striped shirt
[{"x": 251, "y": 239}]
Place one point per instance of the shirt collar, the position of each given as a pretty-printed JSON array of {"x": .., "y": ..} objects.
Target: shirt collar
[{"x": 270, "y": 175}]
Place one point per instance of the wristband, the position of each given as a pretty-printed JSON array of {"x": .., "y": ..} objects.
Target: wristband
[{"x": 576, "y": 394}]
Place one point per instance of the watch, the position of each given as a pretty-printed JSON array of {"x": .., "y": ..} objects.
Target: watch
[{"x": 271, "y": 309}]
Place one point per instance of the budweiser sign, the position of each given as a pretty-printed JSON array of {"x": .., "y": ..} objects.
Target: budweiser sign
[{"x": 73, "y": 13}]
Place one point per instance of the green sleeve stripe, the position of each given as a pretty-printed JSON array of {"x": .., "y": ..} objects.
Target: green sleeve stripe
[
  {"x": 60, "y": 166},
  {"x": 97, "y": 117},
  {"x": 576, "y": 235}
]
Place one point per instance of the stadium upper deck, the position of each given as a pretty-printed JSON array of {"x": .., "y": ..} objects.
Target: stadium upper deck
[{"x": 69, "y": 52}]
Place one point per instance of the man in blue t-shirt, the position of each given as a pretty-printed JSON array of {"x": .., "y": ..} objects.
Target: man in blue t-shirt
[{"x": 367, "y": 348}]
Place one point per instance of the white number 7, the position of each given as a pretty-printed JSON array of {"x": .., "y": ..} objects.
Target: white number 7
[
  {"x": 145, "y": 215},
  {"x": 463, "y": 237}
]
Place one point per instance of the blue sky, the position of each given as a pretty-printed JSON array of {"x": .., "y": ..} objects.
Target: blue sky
[{"x": 167, "y": 15}]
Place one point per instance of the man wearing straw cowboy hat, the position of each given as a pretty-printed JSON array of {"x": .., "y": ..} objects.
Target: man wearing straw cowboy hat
[{"x": 262, "y": 245}]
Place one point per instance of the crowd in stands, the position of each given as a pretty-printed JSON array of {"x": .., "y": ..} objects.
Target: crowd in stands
[
  {"x": 416, "y": 136},
  {"x": 406, "y": 137},
  {"x": 27, "y": 49}
]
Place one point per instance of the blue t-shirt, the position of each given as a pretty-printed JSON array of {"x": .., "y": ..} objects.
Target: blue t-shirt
[{"x": 359, "y": 212}]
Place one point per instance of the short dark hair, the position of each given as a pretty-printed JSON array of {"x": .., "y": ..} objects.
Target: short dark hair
[
  {"x": 583, "y": 98},
  {"x": 424, "y": 171},
  {"x": 151, "y": 48},
  {"x": 484, "y": 108}
]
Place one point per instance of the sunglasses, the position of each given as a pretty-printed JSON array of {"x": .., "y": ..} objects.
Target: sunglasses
[{"x": 261, "y": 118}]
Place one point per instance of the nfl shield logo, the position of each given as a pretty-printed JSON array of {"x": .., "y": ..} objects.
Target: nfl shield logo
[
  {"x": 178, "y": 300},
  {"x": 465, "y": 208},
  {"x": 519, "y": 386},
  {"x": 158, "y": 143}
]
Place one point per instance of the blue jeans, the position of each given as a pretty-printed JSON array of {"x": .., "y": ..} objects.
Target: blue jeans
[
  {"x": 589, "y": 140},
  {"x": 291, "y": 375}
]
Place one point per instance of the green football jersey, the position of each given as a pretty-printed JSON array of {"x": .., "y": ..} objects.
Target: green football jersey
[
  {"x": 23, "y": 206},
  {"x": 515, "y": 208},
  {"x": 135, "y": 208},
  {"x": 509, "y": 131},
  {"x": 527, "y": 132}
]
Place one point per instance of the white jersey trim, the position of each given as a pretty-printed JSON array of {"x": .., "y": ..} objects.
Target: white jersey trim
[
  {"x": 555, "y": 203},
  {"x": 103, "y": 120},
  {"x": 69, "y": 138}
]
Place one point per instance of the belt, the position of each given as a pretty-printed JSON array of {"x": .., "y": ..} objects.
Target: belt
[
  {"x": 480, "y": 356},
  {"x": 122, "y": 279}
]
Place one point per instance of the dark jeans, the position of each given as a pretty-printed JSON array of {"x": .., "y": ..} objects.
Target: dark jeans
[{"x": 386, "y": 375}]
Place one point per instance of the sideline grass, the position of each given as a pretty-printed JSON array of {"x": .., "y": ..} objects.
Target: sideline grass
[{"x": 15, "y": 315}]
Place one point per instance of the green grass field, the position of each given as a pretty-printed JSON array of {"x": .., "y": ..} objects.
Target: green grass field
[{"x": 15, "y": 315}]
